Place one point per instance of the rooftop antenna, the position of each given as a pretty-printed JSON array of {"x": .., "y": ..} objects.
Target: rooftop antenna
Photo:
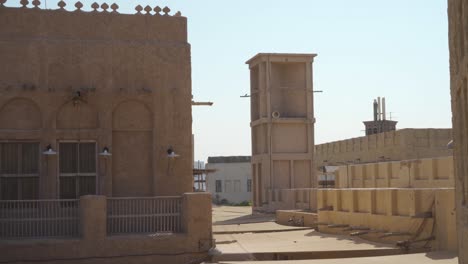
[
  {"x": 379, "y": 109},
  {"x": 383, "y": 109},
  {"x": 376, "y": 105}
]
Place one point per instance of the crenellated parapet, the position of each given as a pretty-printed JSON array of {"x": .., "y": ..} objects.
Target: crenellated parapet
[
  {"x": 94, "y": 47},
  {"x": 103, "y": 8},
  {"x": 403, "y": 144},
  {"x": 99, "y": 21}
]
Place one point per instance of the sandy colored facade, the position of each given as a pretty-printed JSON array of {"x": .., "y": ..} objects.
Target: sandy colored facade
[
  {"x": 408, "y": 200},
  {"x": 411, "y": 201},
  {"x": 421, "y": 173},
  {"x": 282, "y": 123},
  {"x": 134, "y": 95},
  {"x": 91, "y": 103},
  {"x": 403, "y": 144},
  {"x": 421, "y": 216},
  {"x": 458, "y": 37},
  {"x": 94, "y": 244}
]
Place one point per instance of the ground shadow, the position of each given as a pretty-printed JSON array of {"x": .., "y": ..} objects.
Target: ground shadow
[
  {"x": 441, "y": 255},
  {"x": 246, "y": 219},
  {"x": 355, "y": 240}
]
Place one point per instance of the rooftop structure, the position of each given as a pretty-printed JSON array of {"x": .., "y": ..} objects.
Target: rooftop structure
[
  {"x": 95, "y": 135},
  {"x": 403, "y": 144},
  {"x": 229, "y": 159},
  {"x": 230, "y": 179},
  {"x": 380, "y": 123},
  {"x": 282, "y": 123}
]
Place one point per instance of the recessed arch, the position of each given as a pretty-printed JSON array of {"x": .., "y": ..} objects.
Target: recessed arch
[
  {"x": 132, "y": 115},
  {"x": 132, "y": 157},
  {"x": 21, "y": 114},
  {"x": 76, "y": 116}
]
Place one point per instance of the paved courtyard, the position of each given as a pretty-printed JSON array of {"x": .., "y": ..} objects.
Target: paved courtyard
[
  {"x": 246, "y": 238},
  {"x": 422, "y": 258},
  {"x": 225, "y": 215}
]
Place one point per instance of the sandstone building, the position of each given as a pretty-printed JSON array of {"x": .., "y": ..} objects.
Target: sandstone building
[
  {"x": 380, "y": 123},
  {"x": 402, "y": 144},
  {"x": 79, "y": 82},
  {"x": 282, "y": 122},
  {"x": 458, "y": 39},
  {"x": 383, "y": 142},
  {"x": 97, "y": 103}
]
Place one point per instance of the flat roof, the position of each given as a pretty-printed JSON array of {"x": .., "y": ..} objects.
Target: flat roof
[
  {"x": 307, "y": 56},
  {"x": 229, "y": 159}
]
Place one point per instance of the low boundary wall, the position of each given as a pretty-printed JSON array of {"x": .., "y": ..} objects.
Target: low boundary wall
[
  {"x": 289, "y": 199},
  {"x": 420, "y": 213},
  {"x": 94, "y": 245},
  {"x": 418, "y": 173}
]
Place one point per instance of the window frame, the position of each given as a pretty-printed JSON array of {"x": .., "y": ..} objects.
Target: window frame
[
  {"x": 220, "y": 189},
  {"x": 19, "y": 175},
  {"x": 78, "y": 174},
  {"x": 237, "y": 186},
  {"x": 249, "y": 185},
  {"x": 228, "y": 186}
]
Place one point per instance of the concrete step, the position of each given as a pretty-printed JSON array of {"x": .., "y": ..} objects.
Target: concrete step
[{"x": 301, "y": 255}]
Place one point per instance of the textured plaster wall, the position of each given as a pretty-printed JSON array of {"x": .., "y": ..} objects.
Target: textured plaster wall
[
  {"x": 458, "y": 40},
  {"x": 421, "y": 173},
  {"x": 134, "y": 76},
  {"x": 386, "y": 210},
  {"x": 95, "y": 246},
  {"x": 282, "y": 122},
  {"x": 403, "y": 144}
]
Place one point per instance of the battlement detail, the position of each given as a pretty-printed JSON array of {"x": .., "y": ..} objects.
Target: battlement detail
[{"x": 103, "y": 8}]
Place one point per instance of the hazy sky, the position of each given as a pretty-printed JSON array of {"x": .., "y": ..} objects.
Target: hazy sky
[{"x": 366, "y": 48}]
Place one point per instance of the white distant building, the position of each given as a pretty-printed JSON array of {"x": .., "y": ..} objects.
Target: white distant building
[{"x": 232, "y": 179}]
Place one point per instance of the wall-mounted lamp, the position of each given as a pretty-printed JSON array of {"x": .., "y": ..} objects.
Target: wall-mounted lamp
[
  {"x": 171, "y": 153},
  {"x": 105, "y": 152},
  {"x": 49, "y": 151},
  {"x": 76, "y": 98},
  {"x": 450, "y": 144}
]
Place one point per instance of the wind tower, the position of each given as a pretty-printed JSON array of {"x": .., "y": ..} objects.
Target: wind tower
[
  {"x": 282, "y": 123},
  {"x": 380, "y": 123}
]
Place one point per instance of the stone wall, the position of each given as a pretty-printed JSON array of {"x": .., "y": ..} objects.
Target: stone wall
[
  {"x": 421, "y": 173},
  {"x": 458, "y": 40},
  {"x": 403, "y": 144},
  {"x": 288, "y": 199},
  {"x": 390, "y": 215},
  {"x": 122, "y": 81},
  {"x": 95, "y": 245}
]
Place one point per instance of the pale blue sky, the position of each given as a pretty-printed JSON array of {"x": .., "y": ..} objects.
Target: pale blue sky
[{"x": 366, "y": 48}]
